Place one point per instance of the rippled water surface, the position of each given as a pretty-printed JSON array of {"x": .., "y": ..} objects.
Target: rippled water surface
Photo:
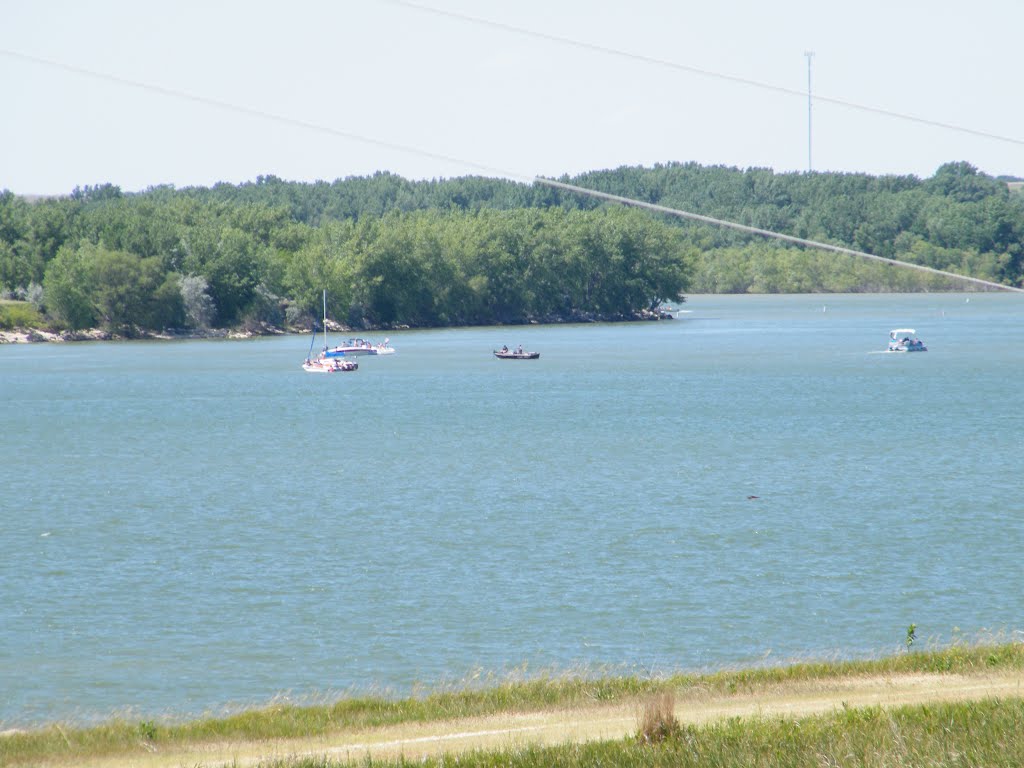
[{"x": 194, "y": 525}]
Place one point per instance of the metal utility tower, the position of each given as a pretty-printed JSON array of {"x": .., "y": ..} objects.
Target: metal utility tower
[{"x": 809, "y": 55}]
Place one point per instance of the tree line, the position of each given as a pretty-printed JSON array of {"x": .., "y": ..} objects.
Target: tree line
[{"x": 472, "y": 250}]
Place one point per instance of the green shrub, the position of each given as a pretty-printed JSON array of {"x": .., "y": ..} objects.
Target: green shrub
[{"x": 19, "y": 314}]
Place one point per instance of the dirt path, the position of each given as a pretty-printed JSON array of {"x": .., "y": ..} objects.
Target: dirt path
[{"x": 589, "y": 723}]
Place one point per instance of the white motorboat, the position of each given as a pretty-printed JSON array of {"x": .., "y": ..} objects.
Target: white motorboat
[
  {"x": 905, "y": 340},
  {"x": 360, "y": 347}
]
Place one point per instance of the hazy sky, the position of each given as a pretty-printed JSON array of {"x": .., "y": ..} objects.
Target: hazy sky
[{"x": 196, "y": 92}]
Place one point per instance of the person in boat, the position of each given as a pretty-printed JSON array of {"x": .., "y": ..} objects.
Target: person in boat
[
  {"x": 504, "y": 349},
  {"x": 519, "y": 350}
]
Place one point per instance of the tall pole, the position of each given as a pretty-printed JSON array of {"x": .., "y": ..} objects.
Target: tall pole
[{"x": 809, "y": 55}]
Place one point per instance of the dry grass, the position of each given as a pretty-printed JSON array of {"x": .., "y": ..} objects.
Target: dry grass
[{"x": 658, "y": 720}]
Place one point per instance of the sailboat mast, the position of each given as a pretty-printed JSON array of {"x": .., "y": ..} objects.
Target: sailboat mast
[{"x": 326, "y": 345}]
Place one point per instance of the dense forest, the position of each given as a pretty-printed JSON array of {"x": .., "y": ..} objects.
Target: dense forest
[{"x": 467, "y": 251}]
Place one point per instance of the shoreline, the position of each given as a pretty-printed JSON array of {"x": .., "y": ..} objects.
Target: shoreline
[
  {"x": 42, "y": 336},
  {"x": 39, "y": 335}
]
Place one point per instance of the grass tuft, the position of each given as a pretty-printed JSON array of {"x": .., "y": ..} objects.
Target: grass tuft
[{"x": 658, "y": 720}]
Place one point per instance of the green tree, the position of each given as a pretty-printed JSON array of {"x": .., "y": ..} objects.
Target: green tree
[
  {"x": 66, "y": 289},
  {"x": 226, "y": 258},
  {"x": 92, "y": 285},
  {"x": 121, "y": 284},
  {"x": 321, "y": 262}
]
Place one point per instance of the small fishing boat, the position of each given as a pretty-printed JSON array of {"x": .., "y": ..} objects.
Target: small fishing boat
[
  {"x": 905, "y": 340},
  {"x": 515, "y": 354}
]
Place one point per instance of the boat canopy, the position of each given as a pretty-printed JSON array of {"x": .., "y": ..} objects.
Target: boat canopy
[{"x": 902, "y": 332}]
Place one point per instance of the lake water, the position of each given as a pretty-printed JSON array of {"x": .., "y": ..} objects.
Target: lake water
[{"x": 194, "y": 526}]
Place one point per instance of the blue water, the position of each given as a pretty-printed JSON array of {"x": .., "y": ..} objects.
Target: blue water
[{"x": 190, "y": 527}]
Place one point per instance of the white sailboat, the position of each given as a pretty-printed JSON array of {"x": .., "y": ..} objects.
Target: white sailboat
[{"x": 323, "y": 363}]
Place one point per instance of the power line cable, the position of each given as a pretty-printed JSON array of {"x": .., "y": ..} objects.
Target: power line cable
[
  {"x": 260, "y": 113},
  {"x": 766, "y": 233},
  {"x": 593, "y": 47}
]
